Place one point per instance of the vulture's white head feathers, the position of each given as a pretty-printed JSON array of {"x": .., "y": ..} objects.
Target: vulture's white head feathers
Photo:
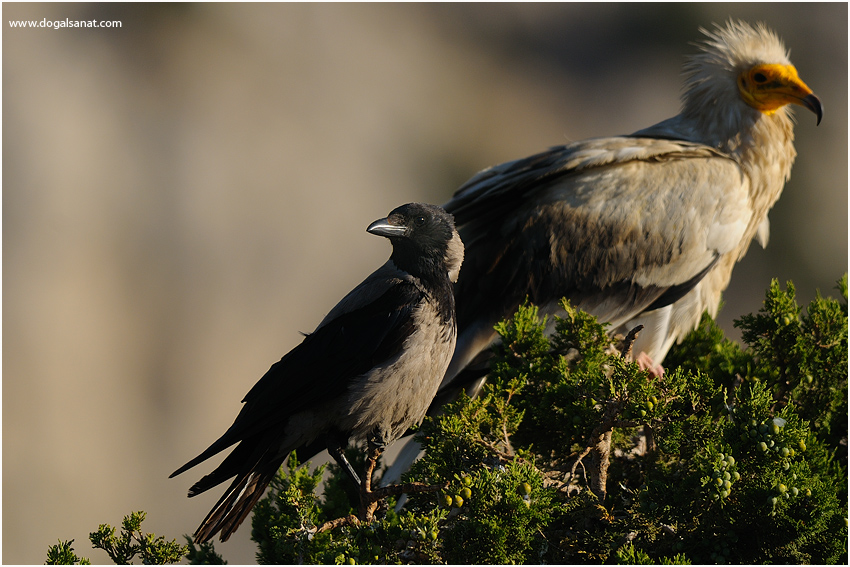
[
  {"x": 741, "y": 75},
  {"x": 735, "y": 48}
]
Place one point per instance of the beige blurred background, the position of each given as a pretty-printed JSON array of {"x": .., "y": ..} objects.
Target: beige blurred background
[{"x": 183, "y": 195}]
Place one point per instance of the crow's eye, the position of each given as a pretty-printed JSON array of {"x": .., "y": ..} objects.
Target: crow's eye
[{"x": 419, "y": 221}]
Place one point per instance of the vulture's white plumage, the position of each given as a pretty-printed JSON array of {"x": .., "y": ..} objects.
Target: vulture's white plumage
[
  {"x": 637, "y": 229},
  {"x": 644, "y": 228}
]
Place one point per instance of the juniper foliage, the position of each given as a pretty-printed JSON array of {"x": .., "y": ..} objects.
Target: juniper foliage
[
  {"x": 63, "y": 554},
  {"x": 122, "y": 548},
  {"x": 573, "y": 454}
]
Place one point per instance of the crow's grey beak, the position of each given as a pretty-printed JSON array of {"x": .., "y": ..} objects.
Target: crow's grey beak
[{"x": 383, "y": 227}]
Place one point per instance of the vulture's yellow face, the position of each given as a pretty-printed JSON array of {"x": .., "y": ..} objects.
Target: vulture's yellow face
[{"x": 769, "y": 87}]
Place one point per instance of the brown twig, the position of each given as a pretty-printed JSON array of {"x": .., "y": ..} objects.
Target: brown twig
[
  {"x": 350, "y": 520},
  {"x": 578, "y": 462},
  {"x": 368, "y": 502},
  {"x": 629, "y": 341},
  {"x": 600, "y": 449},
  {"x": 506, "y": 439},
  {"x": 369, "y": 498},
  {"x": 599, "y": 470},
  {"x": 492, "y": 447}
]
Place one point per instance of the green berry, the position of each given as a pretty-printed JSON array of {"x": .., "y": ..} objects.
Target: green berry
[
  {"x": 794, "y": 491},
  {"x": 447, "y": 500},
  {"x": 736, "y": 475},
  {"x": 802, "y": 446},
  {"x": 781, "y": 488},
  {"x": 458, "y": 501},
  {"x": 774, "y": 428},
  {"x": 730, "y": 460},
  {"x": 525, "y": 488},
  {"x": 762, "y": 446},
  {"x": 434, "y": 534},
  {"x": 466, "y": 493}
]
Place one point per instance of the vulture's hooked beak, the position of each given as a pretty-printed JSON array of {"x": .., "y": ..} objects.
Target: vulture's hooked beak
[{"x": 812, "y": 102}]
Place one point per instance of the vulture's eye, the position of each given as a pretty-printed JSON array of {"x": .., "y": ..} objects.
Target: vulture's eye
[{"x": 759, "y": 77}]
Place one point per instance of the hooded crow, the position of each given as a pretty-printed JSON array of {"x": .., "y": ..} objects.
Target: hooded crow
[{"x": 368, "y": 371}]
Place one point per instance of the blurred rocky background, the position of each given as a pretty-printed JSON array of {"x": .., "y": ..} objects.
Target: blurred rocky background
[{"x": 183, "y": 195}]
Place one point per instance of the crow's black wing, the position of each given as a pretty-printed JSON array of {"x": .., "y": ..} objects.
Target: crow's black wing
[{"x": 322, "y": 366}]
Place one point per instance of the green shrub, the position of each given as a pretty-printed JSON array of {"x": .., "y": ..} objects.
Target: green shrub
[{"x": 573, "y": 454}]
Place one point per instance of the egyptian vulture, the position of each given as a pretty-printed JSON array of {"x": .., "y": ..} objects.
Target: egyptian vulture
[{"x": 637, "y": 229}]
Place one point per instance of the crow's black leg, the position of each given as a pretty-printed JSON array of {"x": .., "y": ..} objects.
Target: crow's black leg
[{"x": 336, "y": 451}]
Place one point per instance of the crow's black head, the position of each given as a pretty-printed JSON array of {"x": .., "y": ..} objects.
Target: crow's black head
[{"x": 424, "y": 240}]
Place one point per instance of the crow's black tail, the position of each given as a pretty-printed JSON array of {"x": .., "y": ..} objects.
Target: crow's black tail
[{"x": 236, "y": 503}]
